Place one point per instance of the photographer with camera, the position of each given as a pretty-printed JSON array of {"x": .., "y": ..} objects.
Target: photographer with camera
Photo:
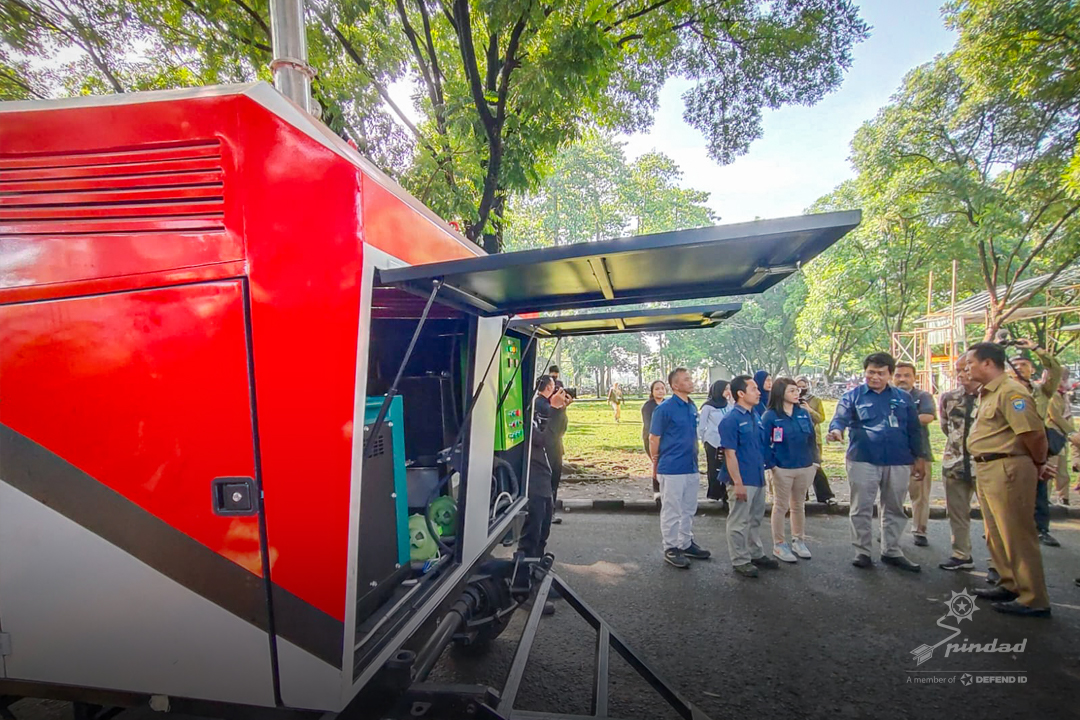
[
  {"x": 807, "y": 399},
  {"x": 1043, "y": 391},
  {"x": 541, "y": 504},
  {"x": 559, "y": 424}
]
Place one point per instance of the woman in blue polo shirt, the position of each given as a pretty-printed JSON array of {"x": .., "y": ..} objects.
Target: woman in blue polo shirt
[{"x": 789, "y": 434}]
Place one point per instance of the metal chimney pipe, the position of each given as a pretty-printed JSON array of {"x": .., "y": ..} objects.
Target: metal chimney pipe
[{"x": 292, "y": 74}]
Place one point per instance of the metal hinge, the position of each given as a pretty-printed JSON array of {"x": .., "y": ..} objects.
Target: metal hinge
[{"x": 5, "y": 643}]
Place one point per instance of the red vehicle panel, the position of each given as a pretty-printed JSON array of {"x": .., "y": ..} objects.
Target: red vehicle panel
[
  {"x": 146, "y": 392},
  {"x": 121, "y": 195},
  {"x": 304, "y": 323}
]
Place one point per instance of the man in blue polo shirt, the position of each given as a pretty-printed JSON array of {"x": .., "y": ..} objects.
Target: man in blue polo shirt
[
  {"x": 674, "y": 450},
  {"x": 884, "y": 454},
  {"x": 744, "y": 468}
]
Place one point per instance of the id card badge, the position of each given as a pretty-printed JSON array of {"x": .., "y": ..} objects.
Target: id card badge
[
  {"x": 778, "y": 434},
  {"x": 893, "y": 422}
]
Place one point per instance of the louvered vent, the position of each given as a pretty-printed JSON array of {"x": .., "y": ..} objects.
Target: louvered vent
[
  {"x": 152, "y": 189},
  {"x": 378, "y": 447}
]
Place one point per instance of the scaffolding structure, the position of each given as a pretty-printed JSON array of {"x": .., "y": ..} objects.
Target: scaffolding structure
[{"x": 941, "y": 336}]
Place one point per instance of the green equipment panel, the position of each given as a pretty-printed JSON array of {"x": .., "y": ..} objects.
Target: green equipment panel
[{"x": 510, "y": 425}]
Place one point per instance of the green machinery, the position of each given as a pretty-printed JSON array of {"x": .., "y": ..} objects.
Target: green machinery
[{"x": 510, "y": 424}]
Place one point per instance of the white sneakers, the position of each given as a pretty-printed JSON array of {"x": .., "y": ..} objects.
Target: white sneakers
[
  {"x": 800, "y": 549},
  {"x": 788, "y": 553},
  {"x": 783, "y": 552}
]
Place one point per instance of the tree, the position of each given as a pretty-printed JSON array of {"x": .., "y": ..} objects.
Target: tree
[
  {"x": 993, "y": 168},
  {"x": 653, "y": 197},
  {"x": 593, "y": 193},
  {"x": 34, "y": 32},
  {"x": 838, "y": 312},
  {"x": 580, "y": 201},
  {"x": 1029, "y": 50},
  {"x": 501, "y": 84},
  {"x": 761, "y": 336}
]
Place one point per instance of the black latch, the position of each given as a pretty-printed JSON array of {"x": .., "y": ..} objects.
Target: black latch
[{"x": 234, "y": 496}]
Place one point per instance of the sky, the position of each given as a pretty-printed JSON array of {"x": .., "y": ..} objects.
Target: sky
[{"x": 803, "y": 152}]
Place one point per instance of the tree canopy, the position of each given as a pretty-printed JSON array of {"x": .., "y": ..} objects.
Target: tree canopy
[{"x": 500, "y": 84}]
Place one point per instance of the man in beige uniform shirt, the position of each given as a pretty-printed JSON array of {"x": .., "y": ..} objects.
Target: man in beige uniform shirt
[
  {"x": 1059, "y": 418},
  {"x": 1043, "y": 391},
  {"x": 1008, "y": 444}
]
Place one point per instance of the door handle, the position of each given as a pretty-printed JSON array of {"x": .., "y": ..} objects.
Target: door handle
[{"x": 235, "y": 496}]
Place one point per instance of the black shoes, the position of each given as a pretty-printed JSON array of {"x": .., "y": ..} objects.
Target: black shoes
[
  {"x": 676, "y": 558},
  {"x": 862, "y": 561},
  {"x": 1048, "y": 540},
  {"x": 996, "y": 594},
  {"x": 921, "y": 541},
  {"x": 746, "y": 570},
  {"x": 957, "y": 564},
  {"x": 993, "y": 577},
  {"x": 1014, "y": 608},
  {"x": 767, "y": 563},
  {"x": 694, "y": 552},
  {"x": 899, "y": 561},
  {"x": 557, "y": 520}
]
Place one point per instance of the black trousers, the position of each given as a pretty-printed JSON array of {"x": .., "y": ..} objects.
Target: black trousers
[
  {"x": 537, "y": 526},
  {"x": 1042, "y": 507},
  {"x": 655, "y": 482},
  {"x": 713, "y": 462},
  {"x": 822, "y": 491},
  {"x": 555, "y": 456}
]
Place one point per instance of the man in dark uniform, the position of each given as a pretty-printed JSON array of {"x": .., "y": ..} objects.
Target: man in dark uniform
[
  {"x": 1008, "y": 444},
  {"x": 534, "y": 533},
  {"x": 918, "y": 489},
  {"x": 556, "y": 450}
]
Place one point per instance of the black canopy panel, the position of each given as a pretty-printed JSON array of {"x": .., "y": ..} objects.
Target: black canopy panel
[
  {"x": 626, "y": 321},
  {"x": 702, "y": 262}
]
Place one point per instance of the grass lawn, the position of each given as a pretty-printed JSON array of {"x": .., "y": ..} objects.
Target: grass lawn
[{"x": 606, "y": 449}]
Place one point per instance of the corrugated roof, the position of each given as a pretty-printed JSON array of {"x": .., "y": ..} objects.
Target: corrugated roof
[{"x": 975, "y": 306}]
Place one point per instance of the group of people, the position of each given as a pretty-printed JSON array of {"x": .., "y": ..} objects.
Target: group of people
[
  {"x": 756, "y": 434},
  {"x": 1007, "y": 437}
]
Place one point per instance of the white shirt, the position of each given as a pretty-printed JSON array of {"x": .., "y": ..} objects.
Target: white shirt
[{"x": 708, "y": 424}]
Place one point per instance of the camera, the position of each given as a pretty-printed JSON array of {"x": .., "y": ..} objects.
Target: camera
[
  {"x": 572, "y": 392},
  {"x": 1002, "y": 338}
]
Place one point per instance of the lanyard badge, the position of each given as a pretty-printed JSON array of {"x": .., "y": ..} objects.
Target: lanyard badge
[
  {"x": 778, "y": 434},
  {"x": 893, "y": 404}
]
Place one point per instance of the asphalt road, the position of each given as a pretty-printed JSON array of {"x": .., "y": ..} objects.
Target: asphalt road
[{"x": 820, "y": 639}]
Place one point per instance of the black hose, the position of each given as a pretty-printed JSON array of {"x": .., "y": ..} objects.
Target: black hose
[{"x": 501, "y": 464}]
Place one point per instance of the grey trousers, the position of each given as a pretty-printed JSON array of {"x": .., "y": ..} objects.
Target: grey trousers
[
  {"x": 866, "y": 482},
  {"x": 678, "y": 504},
  {"x": 744, "y": 526}
]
